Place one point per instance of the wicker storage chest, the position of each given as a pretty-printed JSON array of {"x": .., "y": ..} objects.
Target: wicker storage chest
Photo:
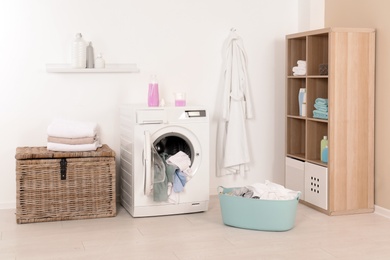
[{"x": 53, "y": 186}]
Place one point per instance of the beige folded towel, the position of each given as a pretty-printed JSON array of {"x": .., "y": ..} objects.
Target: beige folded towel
[
  {"x": 80, "y": 140},
  {"x": 73, "y": 147}
]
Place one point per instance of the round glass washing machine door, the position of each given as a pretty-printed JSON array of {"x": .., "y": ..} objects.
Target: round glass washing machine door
[{"x": 170, "y": 140}]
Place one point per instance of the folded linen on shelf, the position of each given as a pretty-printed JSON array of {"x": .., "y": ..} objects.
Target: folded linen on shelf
[
  {"x": 298, "y": 71},
  {"x": 73, "y": 147},
  {"x": 71, "y": 129},
  {"x": 320, "y": 114},
  {"x": 321, "y": 101},
  {"x": 80, "y": 140},
  {"x": 301, "y": 63},
  {"x": 320, "y": 107}
]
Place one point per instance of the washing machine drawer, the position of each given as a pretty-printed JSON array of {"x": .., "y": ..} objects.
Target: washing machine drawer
[{"x": 157, "y": 116}]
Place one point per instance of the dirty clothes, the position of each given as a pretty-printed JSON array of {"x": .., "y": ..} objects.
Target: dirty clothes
[
  {"x": 160, "y": 180},
  {"x": 179, "y": 181},
  {"x": 241, "y": 192},
  {"x": 265, "y": 191}
]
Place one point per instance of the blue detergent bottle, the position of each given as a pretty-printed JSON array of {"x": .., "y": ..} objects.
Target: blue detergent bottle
[
  {"x": 323, "y": 144},
  {"x": 324, "y": 155}
]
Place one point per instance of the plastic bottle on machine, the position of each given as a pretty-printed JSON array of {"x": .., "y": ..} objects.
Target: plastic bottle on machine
[{"x": 153, "y": 94}]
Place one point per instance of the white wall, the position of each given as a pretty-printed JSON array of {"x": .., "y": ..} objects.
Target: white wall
[
  {"x": 311, "y": 14},
  {"x": 179, "y": 40}
]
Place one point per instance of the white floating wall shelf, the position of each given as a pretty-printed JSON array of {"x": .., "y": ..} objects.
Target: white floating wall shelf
[{"x": 110, "y": 68}]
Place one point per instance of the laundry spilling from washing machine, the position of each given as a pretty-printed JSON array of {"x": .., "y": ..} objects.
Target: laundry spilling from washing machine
[{"x": 170, "y": 175}]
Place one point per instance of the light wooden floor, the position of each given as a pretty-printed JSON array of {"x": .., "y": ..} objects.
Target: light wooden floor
[{"x": 196, "y": 236}]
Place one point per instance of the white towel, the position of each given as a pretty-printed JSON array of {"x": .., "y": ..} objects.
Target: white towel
[
  {"x": 299, "y": 70},
  {"x": 72, "y": 147},
  {"x": 182, "y": 161},
  {"x": 71, "y": 129},
  {"x": 301, "y": 63}
]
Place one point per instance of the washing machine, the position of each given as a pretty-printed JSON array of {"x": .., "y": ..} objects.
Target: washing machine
[{"x": 168, "y": 130}]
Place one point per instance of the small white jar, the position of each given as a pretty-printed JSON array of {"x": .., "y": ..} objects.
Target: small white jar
[{"x": 99, "y": 62}]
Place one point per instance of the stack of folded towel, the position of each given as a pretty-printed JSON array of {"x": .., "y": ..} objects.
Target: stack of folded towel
[
  {"x": 72, "y": 136},
  {"x": 300, "y": 70},
  {"x": 321, "y": 108}
]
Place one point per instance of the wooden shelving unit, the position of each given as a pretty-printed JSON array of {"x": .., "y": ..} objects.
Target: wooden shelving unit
[{"x": 346, "y": 182}]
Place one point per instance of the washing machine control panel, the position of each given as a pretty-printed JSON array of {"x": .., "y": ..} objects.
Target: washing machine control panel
[{"x": 196, "y": 113}]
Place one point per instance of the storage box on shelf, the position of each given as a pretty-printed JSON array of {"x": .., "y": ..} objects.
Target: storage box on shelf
[
  {"x": 54, "y": 186},
  {"x": 340, "y": 64},
  {"x": 295, "y": 175}
]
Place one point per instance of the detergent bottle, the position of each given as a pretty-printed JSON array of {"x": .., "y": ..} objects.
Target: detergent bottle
[
  {"x": 324, "y": 144},
  {"x": 153, "y": 95}
]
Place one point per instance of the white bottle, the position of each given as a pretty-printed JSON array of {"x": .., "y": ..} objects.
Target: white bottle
[
  {"x": 79, "y": 52},
  {"x": 99, "y": 62},
  {"x": 90, "y": 56},
  {"x": 301, "y": 95},
  {"x": 304, "y": 106}
]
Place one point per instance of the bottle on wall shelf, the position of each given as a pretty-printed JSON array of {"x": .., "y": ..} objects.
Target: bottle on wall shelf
[
  {"x": 99, "y": 62},
  {"x": 79, "y": 52},
  {"x": 90, "y": 56},
  {"x": 153, "y": 94},
  {"x": 324, "y": 145}
]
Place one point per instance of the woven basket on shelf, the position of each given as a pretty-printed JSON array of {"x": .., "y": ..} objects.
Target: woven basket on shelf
[{"x": 55, "y": 186}]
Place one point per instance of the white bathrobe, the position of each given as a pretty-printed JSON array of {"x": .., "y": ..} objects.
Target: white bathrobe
[{"x": 236, "y": 107}]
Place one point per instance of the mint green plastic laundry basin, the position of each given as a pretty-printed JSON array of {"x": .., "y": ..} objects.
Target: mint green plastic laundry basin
[{"x": 267, "y": 215}]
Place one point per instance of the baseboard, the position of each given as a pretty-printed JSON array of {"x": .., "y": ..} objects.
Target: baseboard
[
  {"x": 8, "y": 205},
  {"x": 378, "y": 210},
  {"x": 382, "y": 211}
]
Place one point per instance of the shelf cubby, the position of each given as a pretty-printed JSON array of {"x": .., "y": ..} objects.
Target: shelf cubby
[
  {"x": 316, "y": 130},
  {"x": 317, "y": 53},
  {"x": 316, "y": 88},
  {"x": 296, "y": 51},
  {"x": 296, "y": 141},
  {"x": 294, "y": 84}
]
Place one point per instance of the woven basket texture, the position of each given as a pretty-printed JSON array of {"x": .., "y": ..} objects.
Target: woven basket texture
[{"x": 87, "y": 192}]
